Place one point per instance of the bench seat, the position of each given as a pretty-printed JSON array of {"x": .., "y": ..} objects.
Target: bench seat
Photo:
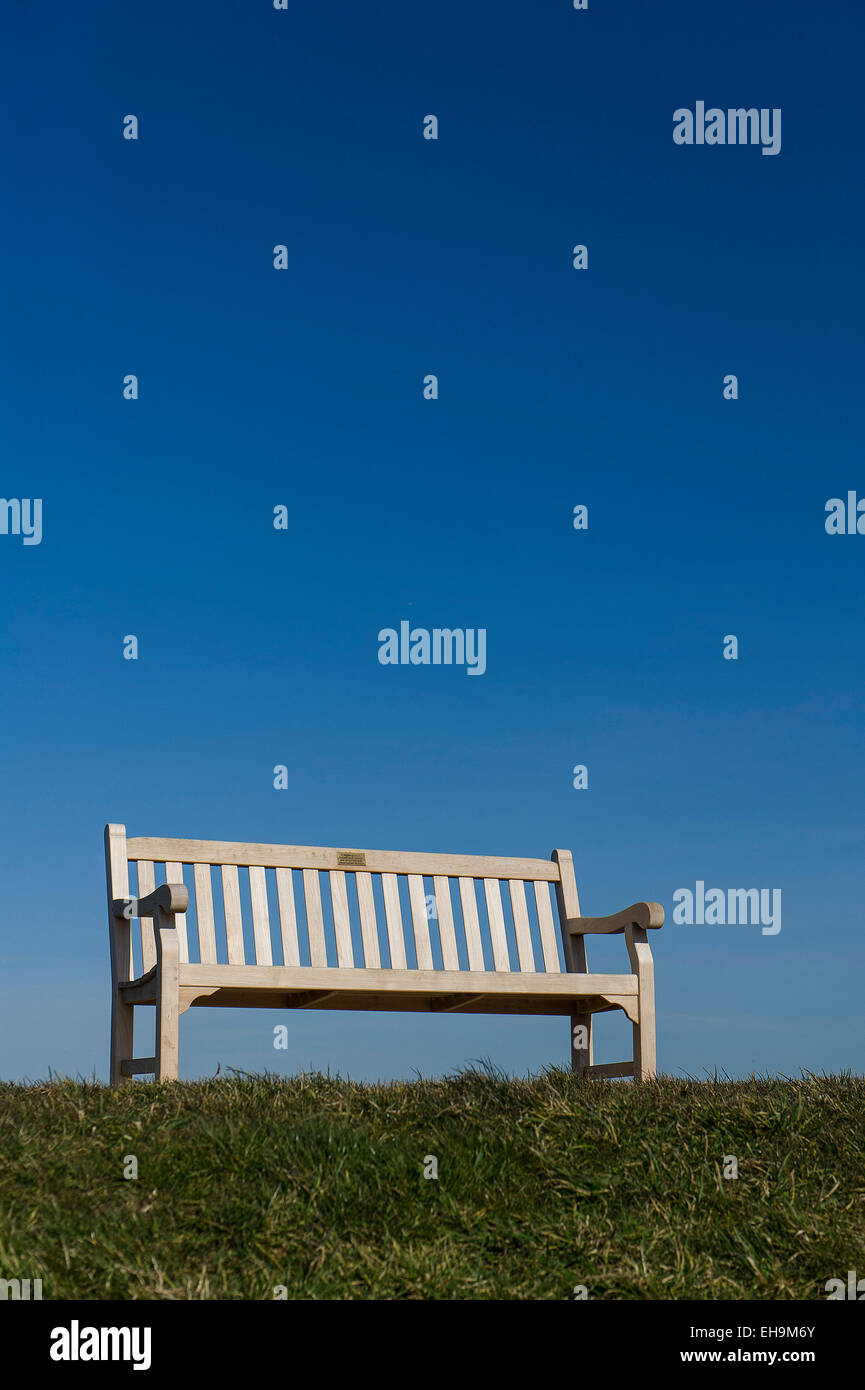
[{"x": 447, "y": 991}]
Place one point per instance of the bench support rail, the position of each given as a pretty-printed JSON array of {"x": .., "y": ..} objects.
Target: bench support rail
[
  {"x": 138, "y": 1066},
  {"x": 609, "y": 1069}
]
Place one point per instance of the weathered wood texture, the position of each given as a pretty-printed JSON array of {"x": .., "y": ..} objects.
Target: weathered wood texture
[{"x": 246, "y": 925}]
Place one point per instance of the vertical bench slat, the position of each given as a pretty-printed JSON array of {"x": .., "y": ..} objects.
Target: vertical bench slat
[
  {"x": 393, "y": 915},
  {"x": 174, "y": 874},
  {"x": 287, "y": 917},
  {"x": 341, "y": 919},
  {"x": 495, "y": 913},
  {"x": 314, "y": 918},
  {"x": 146, "y": 884},
  {"x": 260, "y": 915},
  {"x": 522, "y": 930},
  {"x": 444, "y": 908},
  {"x": 204, "y": 914},
  {"x": 368, "y": 930},
  {"x": 472, "y": 925},
  {"x": 233, "y": 914},
  {"x": 548, "y": 928},
  {"x": 420, "y": 922}
]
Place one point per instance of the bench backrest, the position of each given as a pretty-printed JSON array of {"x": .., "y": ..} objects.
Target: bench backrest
[{"x": 293, "y": 905}]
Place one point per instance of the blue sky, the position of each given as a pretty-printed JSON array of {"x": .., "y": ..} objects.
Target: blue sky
[{"x": 557, "y": 387}]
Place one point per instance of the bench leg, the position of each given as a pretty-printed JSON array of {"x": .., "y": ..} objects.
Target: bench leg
[
  {"x": 122, "y": 1016},
  {"x": 167, "y": 1030},
  {"x": 581, "y": 1042},
  {"x": 644, "y": 1050},
  {"x": 167, "y": 1005},
  {"x": 645, "y": 1066}
]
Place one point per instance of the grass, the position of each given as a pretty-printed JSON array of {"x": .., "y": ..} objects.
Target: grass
[{"x": 317, "y": 1184}]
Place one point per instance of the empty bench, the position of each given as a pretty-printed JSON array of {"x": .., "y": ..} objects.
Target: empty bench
[{"x": 219, "y": 924}]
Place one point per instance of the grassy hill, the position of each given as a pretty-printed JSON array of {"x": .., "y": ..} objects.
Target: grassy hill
[{"x": 318, "y": 1184}]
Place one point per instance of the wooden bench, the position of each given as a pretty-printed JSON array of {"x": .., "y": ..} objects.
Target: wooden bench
[{"x": 338, "y": 920}]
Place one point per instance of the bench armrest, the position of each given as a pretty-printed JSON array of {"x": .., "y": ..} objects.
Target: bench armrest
[
  {"x": 170, "y": 899},
  {"x": 643, "y": 915}
]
